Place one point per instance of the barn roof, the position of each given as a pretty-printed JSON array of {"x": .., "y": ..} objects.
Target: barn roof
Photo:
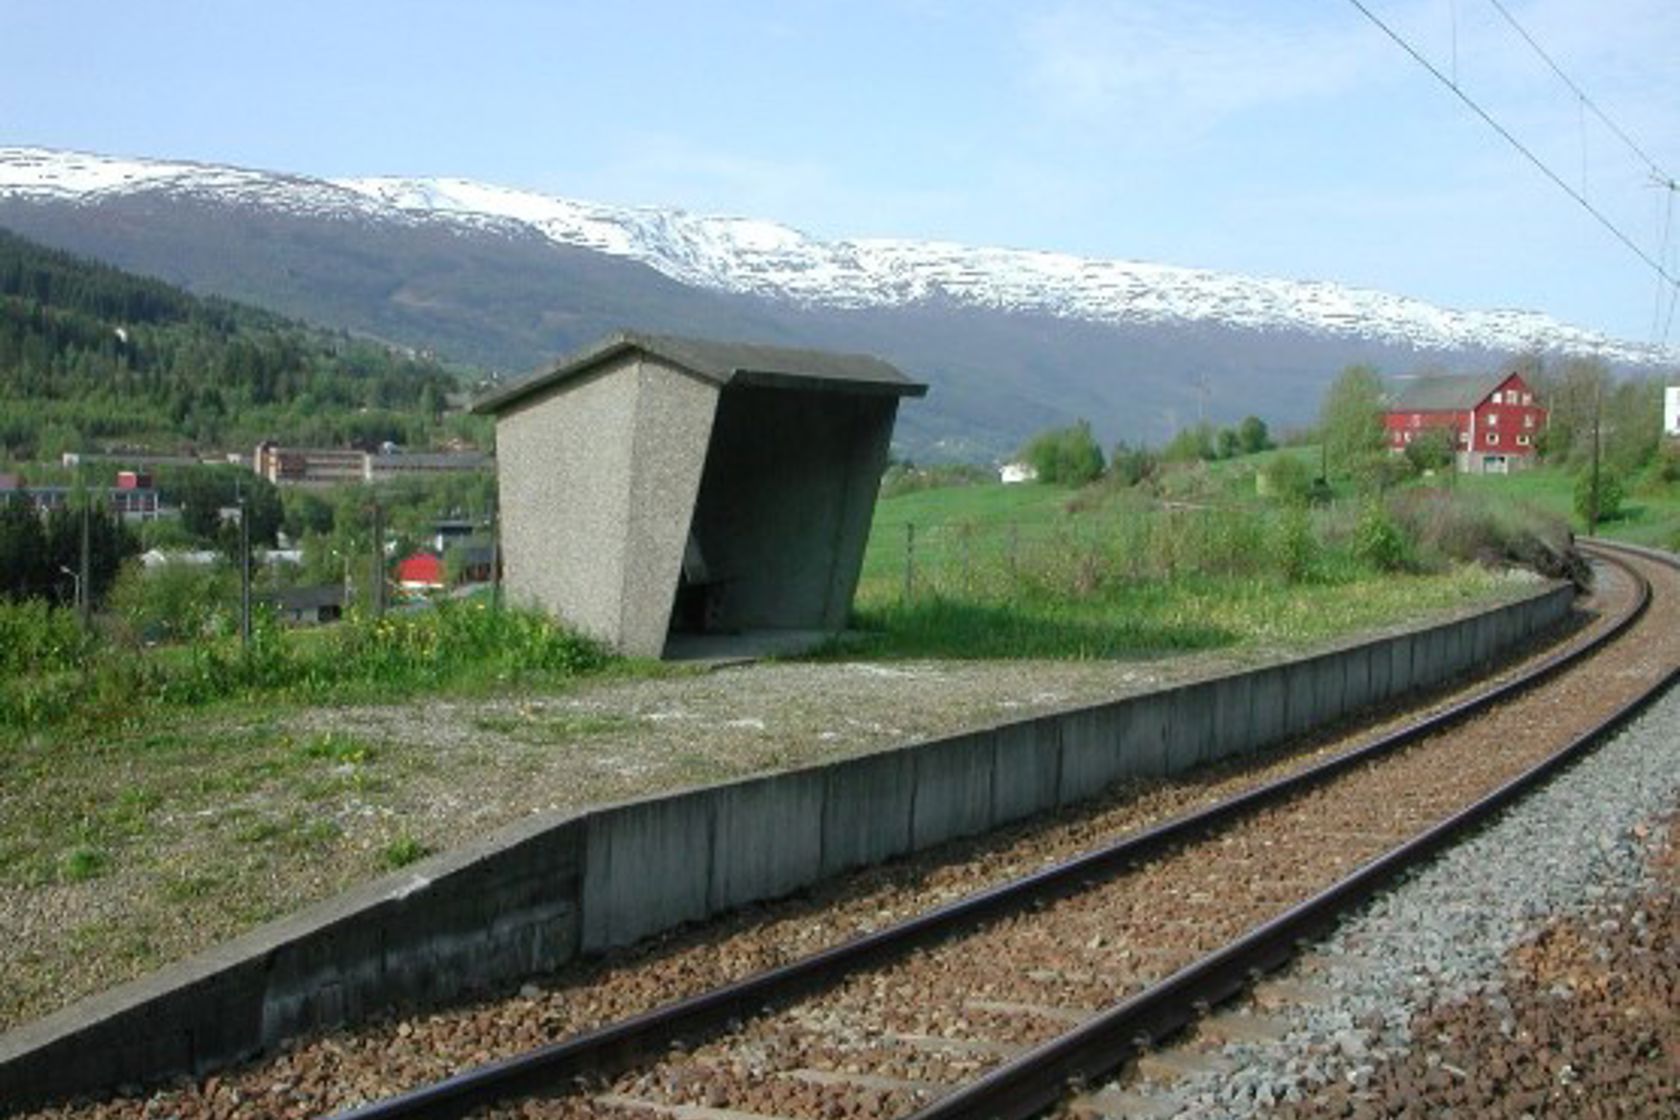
[
  {"x": 1445, "y": 394},
  {"x": 722, "y": 363}
]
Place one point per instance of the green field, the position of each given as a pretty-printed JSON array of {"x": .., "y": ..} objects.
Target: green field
[
  {"x": 1198, "y": 561},
  {"x": 1650, "y": 511}
]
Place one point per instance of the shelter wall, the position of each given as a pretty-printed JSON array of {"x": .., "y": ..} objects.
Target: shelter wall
[
  {"x": 674, "y": 420},
  {"x": 786, "y": 501},
  {"x": 565, "y": 478}
]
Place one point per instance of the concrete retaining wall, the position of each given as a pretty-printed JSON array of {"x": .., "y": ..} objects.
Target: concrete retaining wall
[{"x": 536, "y": 895}]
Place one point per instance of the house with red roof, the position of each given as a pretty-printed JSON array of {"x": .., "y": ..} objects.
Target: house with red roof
[{"x": 420, "y": 572}]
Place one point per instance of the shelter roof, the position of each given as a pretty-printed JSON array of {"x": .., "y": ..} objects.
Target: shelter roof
[
  {"x": 723, "y": 364},
  {"x": 1445, "y": 394}
]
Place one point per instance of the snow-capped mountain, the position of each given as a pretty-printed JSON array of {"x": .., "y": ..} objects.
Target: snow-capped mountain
[{"x": 752, "y": 257}]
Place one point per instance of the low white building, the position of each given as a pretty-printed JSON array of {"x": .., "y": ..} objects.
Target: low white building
[{"x": 1011, "y": 473}]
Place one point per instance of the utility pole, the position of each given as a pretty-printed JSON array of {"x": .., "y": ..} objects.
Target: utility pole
[
  {"x": 495, "y": 556},
  {"x": 1592, "y": 499},
  {"x": 378, "y": 561},
  {"x": 84, "y": 601},
  {"x": 244, "y": 572}
]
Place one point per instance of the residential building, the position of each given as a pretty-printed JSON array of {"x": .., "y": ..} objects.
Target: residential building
[{"x": 1492, "y": 423}]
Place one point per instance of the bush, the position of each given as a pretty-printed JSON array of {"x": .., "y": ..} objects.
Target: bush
[
  {"x": 1430, "y": 450},
  {"x": 455, "y": 642},
  {"x": 1130, "y": 466},
  {"x": 1610, "y": 494},
  {"x": 1287, "y": 479},
  {"x": 175, "y": 601},
  {"x": 1296, "y": 548},
  {"x": 1378, "y": 542},
  {"x": 36, "y": 637},
  {"x": 1066, "y": 455}
]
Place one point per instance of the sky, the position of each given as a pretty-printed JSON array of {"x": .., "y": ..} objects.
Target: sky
[{"x": 1286, "y": 138}]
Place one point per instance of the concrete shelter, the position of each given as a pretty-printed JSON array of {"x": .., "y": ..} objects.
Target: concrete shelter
[{"x": 670, "y": 494}]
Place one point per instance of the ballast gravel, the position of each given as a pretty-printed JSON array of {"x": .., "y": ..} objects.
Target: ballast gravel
[{"x": 1440, "y": 941}]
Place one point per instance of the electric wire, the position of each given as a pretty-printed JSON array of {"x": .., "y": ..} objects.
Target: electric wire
[
  {"x": 1666, "y": 179},
  {"x": 1522, "y": 148},
  {"x": 1659, "y": 176}
]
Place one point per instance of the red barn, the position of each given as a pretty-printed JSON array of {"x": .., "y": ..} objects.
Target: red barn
[{"x": 1493, "y": 422}]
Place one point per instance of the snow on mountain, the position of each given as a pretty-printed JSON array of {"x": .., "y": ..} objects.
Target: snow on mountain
[{"x": 763, "y": 258}]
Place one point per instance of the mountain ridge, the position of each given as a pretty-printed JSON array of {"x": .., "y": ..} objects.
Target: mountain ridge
[
  {"x": 749, "y": 256},
  {"x": 510, "y": 280}
]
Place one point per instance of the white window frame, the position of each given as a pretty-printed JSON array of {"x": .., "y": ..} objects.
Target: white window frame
[{"x": 1493, "y": 439}]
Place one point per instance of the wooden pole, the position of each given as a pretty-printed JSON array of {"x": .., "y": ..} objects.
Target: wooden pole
[{"x": 909, "y": 561}]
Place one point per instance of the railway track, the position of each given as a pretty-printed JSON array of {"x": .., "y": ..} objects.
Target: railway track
[{"x": 995, "y": 1004}]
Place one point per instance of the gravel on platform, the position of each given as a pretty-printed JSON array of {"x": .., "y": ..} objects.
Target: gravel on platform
[{"x": 1443, "y": 934}]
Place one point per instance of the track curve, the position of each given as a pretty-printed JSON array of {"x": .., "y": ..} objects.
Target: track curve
[{"x": 831, "y": 1060}]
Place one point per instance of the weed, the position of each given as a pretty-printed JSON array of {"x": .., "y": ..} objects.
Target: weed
[
  {"x": 338, "y": 748},
  {"x": 82, "y": 863},
  {"x": 185, "y": 888},
  {"x": 403, "y": 851}
]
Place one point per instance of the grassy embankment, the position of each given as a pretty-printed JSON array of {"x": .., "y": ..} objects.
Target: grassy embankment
[
  {"x": 1650, "y": 512},
  {"x": 1197, "y": 561}
]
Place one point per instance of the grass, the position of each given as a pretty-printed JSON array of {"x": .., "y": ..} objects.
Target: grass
[
  {"x": 403, "y": 851},
  {"x": 1197, "y": 561},
  {"x": 188, "y": 783},
  {"x": 1650, "y": 512}
]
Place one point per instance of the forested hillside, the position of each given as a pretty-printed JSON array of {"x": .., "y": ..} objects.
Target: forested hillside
[{"x": 94, "y": 358}]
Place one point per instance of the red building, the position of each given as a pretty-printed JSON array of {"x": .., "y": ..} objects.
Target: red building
[
  {"x": 1492, "y": 422},
  {"x": 420, "y": 571}
]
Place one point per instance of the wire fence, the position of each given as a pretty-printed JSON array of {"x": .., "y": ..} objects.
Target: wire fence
[{"x": 999, "y": 561}]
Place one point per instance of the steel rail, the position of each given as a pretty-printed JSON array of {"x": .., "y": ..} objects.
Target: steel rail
[
  {"x": 1027, "y": 1085},
  {"x": 618, "y": 1045}
]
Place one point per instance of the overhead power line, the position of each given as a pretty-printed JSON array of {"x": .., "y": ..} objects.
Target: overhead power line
[
  {"x": 1539, "y": 164},
  {"x": 1662, "y": 176}
]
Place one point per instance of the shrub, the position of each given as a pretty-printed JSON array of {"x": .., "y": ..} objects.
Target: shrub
[
  {"x": 1378, "y": 542},
  {"x": 1296, "y": 548},
  {"x": 1430, "y": 450},
  {"x": 1066, "y": 455},
  {"x": 36, "y": 637},
  {"x": 1610, "y": 496},
  {"x": 1131, "y": 465},
  {"x": 175, "y": 601},
  {"x": 1288, "y": 479}
]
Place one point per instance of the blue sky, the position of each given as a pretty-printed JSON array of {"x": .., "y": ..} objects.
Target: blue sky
[{"x": 1284, "y": 138}]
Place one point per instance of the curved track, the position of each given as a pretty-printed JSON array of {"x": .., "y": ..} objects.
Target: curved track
[{"x": 992, "y": 1005}]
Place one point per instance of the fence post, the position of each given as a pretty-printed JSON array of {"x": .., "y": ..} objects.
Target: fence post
[
  {"x": 967, "y": 542},
  {"x": 909, "y": 561}
]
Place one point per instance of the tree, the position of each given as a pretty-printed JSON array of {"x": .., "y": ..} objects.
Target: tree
[
  {"x": 24, "y": 570},
  {"x": 1351, "y": 422},
  {"x": 1289, "y": 480},
  {"x": 110, "y": 542},
  {"x": 1573, "y": 397},
  {"x": 1608, "y": 505},
  {"x": 203, "y": 492},
  {"x": 1229, "y": 443},
  {"x": 1067, "y": 455},
  {"x": 1253, "y": 436},
  {"x": 1131, "y": 465},
  {"x": 1190, "y": 444},
  {"x": 1431, "y": 449}
]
